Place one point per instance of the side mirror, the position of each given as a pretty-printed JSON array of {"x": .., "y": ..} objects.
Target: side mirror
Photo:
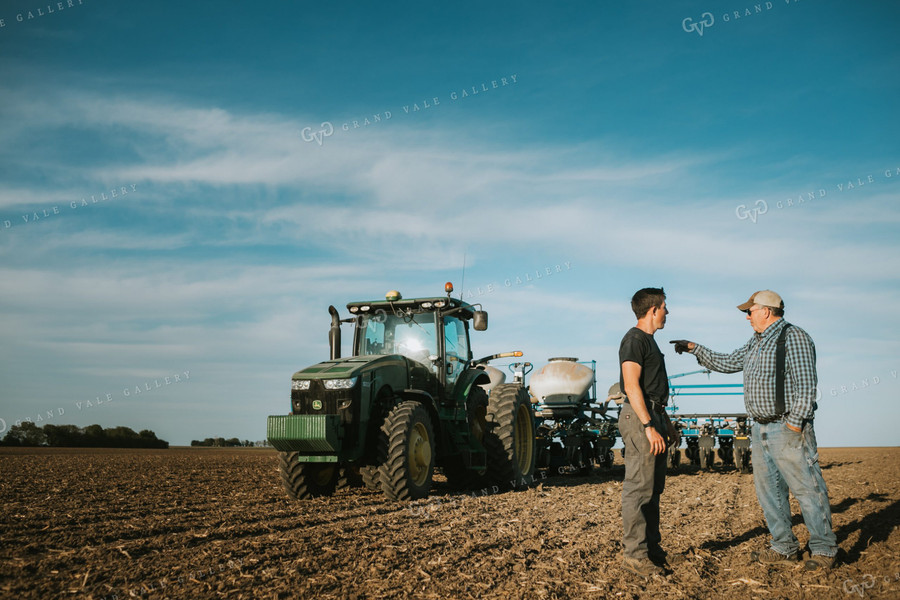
[{"x": 480, "y": 321}]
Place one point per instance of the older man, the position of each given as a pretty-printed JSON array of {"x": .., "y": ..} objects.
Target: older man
[{"x": 779, "y": 365}]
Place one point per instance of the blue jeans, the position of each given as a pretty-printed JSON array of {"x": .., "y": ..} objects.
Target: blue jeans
[{"x": 786, "y": 460}]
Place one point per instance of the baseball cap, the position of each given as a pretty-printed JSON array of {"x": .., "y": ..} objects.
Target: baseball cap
[{"x": 763, "y": 298}]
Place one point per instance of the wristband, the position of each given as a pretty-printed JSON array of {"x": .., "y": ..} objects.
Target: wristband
[{"x": 648, "y": 424}]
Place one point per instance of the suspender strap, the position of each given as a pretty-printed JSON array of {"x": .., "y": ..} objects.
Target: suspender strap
[{"x": 779, "y": 370}]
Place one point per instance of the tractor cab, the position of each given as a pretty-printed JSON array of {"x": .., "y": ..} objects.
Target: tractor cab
[{"x": 432, "y": 332}]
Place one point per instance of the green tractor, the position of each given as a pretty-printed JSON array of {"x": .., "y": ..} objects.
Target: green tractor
[{"x": 409, "y": 400}]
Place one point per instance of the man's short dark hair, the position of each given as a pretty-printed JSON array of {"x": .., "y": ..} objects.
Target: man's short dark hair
[
  {"x": 777, "y": 312},
  {"x": 646, "y": 299}
]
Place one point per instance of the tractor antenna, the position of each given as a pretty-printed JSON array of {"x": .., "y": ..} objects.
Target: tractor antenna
[{"x": 462, "y": 285}]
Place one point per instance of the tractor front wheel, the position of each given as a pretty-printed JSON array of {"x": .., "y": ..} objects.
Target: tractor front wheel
[
  {"x": 407, "y": 444},
  {"x": 307, "y": 480}
]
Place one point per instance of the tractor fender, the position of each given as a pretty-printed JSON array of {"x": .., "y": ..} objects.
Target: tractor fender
[
  {"x": 391, "y": 374},
  {"x": 467, "y": 379},
  {"x": 381, "y": 385},
  {"x": 426, "y": 400}
]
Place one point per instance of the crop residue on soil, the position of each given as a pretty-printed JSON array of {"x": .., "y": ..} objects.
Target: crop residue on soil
[{"x": 204, "y": 523}]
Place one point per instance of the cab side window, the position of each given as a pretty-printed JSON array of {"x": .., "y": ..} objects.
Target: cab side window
[{"x": 456, "y": 347}]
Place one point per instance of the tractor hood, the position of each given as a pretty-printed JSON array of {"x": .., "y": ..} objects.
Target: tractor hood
[{"x": 350, "y": 366}]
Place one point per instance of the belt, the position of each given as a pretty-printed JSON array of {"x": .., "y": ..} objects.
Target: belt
[
  {"x": 654, "y": 406},
  {"x": 771, "y": 419}
]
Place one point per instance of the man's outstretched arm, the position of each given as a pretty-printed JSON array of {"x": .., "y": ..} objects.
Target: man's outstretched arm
[{"x": 714, "y": 361}]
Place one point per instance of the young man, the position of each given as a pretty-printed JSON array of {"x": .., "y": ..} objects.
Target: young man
[
  {"x": 643, "y": 423},
  {"x": 782, "y": 404}
]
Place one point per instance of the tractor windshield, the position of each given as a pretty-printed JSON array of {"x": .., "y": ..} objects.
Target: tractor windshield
[{"x": 410, "y": 335}]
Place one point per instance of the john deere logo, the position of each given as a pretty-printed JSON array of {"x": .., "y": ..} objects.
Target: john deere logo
[{"x": 317, "y": 405}]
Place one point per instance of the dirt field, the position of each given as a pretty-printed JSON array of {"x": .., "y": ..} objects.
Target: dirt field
[{"x": 203, "y": 523}]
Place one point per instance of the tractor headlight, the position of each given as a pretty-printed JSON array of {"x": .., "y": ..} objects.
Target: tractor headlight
[
  {"x": 340, "y": 384},
  {"x": 300, "y": 384}
]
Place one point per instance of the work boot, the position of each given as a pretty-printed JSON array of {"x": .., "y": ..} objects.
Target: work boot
[
  {"x": 818, "y": 561},
  {"x": 661, "y": 558},
  {"x": 642, "y": 567},
  {"x": 772, "y": 557}
]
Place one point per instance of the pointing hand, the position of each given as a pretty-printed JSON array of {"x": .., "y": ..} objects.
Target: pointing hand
[{"x": 683, "y": 345}]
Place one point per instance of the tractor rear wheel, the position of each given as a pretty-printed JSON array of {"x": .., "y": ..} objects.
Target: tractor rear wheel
[
  {"x": 510, "y": 442},
  {"x": 407, "y": 444},
  {"x": 307, "y": 480}
]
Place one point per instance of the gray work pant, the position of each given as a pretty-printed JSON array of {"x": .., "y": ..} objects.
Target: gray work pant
[{"x": 645, "y": 479}]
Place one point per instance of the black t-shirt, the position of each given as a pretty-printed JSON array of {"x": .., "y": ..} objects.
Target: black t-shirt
[{"x": 640, "y": 347}]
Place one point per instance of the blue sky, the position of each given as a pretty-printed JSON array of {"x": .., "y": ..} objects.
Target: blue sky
[{"x": 625, "y": 148}]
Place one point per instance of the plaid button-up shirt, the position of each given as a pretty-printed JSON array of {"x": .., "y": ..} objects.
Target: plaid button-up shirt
[{"x": 756, "y": 359}]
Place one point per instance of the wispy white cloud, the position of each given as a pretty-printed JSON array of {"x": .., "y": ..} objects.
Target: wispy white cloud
[{"x": 134, "y": 289}]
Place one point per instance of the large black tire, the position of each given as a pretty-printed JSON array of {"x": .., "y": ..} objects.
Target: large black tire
[
  {"x": 510, "y": 443},
  {"x": 307, "y": 480},
  {"x": 371, "y": 477},
  {"x": 458, "y": 475},
  {"x": 407, "y": 445}
]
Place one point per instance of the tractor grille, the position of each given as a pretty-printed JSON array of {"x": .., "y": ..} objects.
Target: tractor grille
[{"x": 304, "y": 402}]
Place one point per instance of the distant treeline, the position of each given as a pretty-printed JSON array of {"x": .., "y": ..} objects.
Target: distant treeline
[
  {"x": 229, "y": 443},
  {"x": 72, "y": 436}
]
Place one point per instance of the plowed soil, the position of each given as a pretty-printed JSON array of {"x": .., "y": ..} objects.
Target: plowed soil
[{"x": 203, "y": 523}]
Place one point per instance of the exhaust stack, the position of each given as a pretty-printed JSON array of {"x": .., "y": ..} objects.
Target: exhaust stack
[{"x": 334, "y": 333}]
